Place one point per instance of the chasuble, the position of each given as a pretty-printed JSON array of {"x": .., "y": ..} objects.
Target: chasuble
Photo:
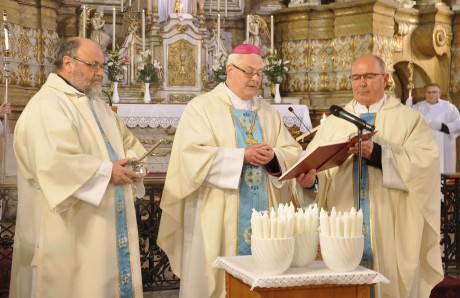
[
  {"x": 202, "y": 192},
  {"x": 404, "y": 198},
  {"x": 65, "y": 241}
]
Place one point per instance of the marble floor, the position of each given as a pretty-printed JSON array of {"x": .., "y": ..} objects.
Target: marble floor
[{"x": 162, "y": 294}]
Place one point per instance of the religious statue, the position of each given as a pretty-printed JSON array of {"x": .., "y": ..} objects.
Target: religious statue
[
  {"x": 97, "y": 30},
  {"x": 254, "y": 36}
]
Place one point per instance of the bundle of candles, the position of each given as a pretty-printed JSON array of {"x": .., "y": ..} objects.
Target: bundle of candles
[
  {"x": 285, "y": 222},
  {"x": 348, "y": 224}
]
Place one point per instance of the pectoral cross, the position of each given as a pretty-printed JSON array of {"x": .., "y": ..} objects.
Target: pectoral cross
[{"x": 250, "y": 140}]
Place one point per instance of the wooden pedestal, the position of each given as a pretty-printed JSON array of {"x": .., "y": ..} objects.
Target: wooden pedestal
[{"x": 237, "y": 289}]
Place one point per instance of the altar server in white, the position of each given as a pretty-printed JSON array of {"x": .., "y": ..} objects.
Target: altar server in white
[
  {"x": 228, "y": 152},
  {"x": 76, "y": 230},
  {"x": 444, "y": 121}
]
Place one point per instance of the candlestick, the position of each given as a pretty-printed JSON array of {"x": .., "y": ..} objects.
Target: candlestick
[
  {"x": 272, "y": 33},
  {"x": 322, "y": 119},
  {"x": 84, "y": 21},
  {"x": 247, "y": 29},
  {"x": 114, "y": 24},
  {"x": 218, "y": 33},
  {"x": 143, "y": 30},
  {"x": 226, "y": 8}
]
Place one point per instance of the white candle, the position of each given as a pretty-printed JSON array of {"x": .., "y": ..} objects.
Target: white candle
[
  {"x": 266, "y": 225},
  {"x": 272, "y": 27},
  {"x": 7, "y": 42},
  {"x": 121, "y": 5},
  {"x": 218, "y": 5},
  {"x": 210, "y": 6},
  {"x": 247, "y": 29},
  {"x": 143, "y": 30},
  {"x": 324, "y": 222},
  {"x": 322, "y": 119},
  {"x": 114, "y": 24},
  {"x": 346, "y": 225},
  {"x": 84, "y": 21},
  {"x": 226, "y": 8},
  {"x": 129, "y": 3},
  {"x": 218, "y": 33},
  {"x": 138, "y": 5},
  {"x": 332, "y": 220}
]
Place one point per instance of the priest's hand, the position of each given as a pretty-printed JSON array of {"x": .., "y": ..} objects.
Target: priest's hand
[
  {"x": 367, "y": 148},
  {"x": 258, "y": 154},
  {"x": 307, "y": 180},
  {"x": 122, "y": 175}
]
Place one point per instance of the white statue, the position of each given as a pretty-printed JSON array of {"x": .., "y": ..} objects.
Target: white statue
[
  {"x": 97, "y": 30},
  {"x": 254, "y": 32}
]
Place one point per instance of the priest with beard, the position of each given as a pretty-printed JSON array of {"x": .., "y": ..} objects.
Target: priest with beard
[{"x": 76, "y": 231}]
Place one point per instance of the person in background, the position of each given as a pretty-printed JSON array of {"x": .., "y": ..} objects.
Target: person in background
[
  {"x": 76, "y": 230},
  {"x": 228, "y": 152},
  {"x": 444, "y": 121},
  {"x": 5, "y": 109},
  {"x": 400, "y": 189}
]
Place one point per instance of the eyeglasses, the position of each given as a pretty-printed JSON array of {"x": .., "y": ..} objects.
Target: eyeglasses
[
  {"x": 94, "y": 67},
  {"x": 248, "y": 74},
  {"x": 365, "y": 76}
]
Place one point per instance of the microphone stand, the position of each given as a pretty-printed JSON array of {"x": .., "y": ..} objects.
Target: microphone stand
[{"x": 360, "y": 165}]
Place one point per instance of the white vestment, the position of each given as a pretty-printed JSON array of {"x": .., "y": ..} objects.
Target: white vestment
[
  {"x": 201, "y": 194},
  {"x": 404, "y": 197},
  {"x": 65, "y": 240},
  {"x": 444, "y": 112}
]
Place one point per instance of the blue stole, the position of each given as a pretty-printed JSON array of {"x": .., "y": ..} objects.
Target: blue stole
[
  {"x": 253, "y": 188},
  {"x": 365, "y": 205},
  {"x": 124, "y": 263}
]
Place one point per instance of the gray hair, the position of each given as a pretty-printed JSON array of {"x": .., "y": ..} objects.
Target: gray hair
[
  {"x": 381, "y": 63},
  {"x": 233, "y": 59},
  {"x": 67, "y": 47}
]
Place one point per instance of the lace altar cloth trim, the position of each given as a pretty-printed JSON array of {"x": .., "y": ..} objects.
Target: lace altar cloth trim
[
  {"x": 166, "y": 115},
  {"x": 245, "y": 269}
]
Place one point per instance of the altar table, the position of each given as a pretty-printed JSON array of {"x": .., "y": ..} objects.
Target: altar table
[
  {"x": 244, "y": 281},
  {"x": 168, "y": 115}
]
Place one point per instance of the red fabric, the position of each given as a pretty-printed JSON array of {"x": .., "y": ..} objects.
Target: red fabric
[
  {"x": 247, "y": 49},
  {"x": 448, "y": 288}
]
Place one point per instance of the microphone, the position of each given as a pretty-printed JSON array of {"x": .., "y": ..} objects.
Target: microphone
[
  {"x": 292, "y": 111},
  {"x": 360, "y": 123}
]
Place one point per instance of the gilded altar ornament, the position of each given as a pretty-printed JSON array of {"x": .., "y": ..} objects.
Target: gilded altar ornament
[{"x": 182, "y": 64}]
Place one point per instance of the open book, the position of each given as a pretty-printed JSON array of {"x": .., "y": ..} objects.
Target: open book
[
  {"x": 308, "y": 136},
  {"x": 324, "y": 157}
]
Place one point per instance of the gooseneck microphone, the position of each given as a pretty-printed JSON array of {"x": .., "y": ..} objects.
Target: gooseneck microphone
[
  {"x": 360, "y": 123},
  {"x": 292, "y": 111}
]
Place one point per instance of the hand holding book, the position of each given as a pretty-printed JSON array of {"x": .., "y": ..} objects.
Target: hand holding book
[{"x": 325, "y": 156}]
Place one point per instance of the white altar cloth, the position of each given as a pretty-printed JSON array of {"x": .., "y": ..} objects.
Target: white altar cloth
[
  {"x": 245, "y": 269},
  {"x": 166, "y": 115}
]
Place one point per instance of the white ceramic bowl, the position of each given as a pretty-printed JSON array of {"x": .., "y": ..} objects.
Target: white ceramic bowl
[
  {"x": 305, "y": 249},
  {"x": 272, "y": 255},
  {"x": 341, "y": 254}
]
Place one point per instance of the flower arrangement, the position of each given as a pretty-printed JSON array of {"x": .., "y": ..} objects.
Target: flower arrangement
[
  {"x": 148, "y": 72},
  {"x": 116, "y": 66},
  {"x": 275, "y": 68},
  {"x": 219, "y": 68}
]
